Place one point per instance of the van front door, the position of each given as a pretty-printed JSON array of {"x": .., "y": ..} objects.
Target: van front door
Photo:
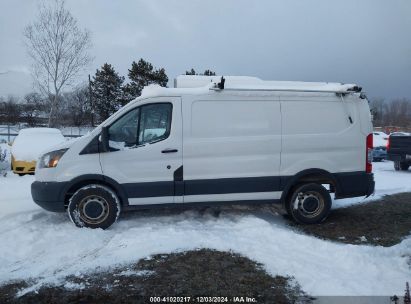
[{"x": 145, "y": 155}]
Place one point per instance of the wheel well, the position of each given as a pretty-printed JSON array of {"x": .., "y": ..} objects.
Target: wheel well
[
  {"x": 80, "y": 184},
  {"x": 321, "y": 177}
]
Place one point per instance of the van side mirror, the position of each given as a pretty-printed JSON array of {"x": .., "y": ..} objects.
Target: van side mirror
[{"x": 104, "y": 140}]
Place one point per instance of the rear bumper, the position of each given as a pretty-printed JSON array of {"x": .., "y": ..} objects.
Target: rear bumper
[
  {"x": 398, "y": 157},
  {"x": 49, "y": 195},
  {"x": 353, "y": 184}
]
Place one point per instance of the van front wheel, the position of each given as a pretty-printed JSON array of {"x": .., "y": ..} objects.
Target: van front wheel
[
  {"x": 94, "y": 206},
  {"x": 309, "y": 203}
]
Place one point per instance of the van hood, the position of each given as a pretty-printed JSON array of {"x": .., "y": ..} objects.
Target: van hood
[{"x": 66, "y": 144}]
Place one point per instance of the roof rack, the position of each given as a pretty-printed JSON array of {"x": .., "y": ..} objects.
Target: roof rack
[
  {"x": 245, "y": 83},
  {"x": 221, "y": 86}
]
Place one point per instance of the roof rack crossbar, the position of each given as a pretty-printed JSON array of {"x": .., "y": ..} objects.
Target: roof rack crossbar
[{"x": 284, "y": 90}]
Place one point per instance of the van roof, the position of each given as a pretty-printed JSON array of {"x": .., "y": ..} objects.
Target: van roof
[
  {"x": 195, "y": 84},
  {"x": 252, "y": 83}
]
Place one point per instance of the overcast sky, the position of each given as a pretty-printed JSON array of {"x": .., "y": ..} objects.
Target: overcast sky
[{"x": 366, "y": 42}]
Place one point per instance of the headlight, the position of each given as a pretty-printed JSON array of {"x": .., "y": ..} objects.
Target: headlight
[{"x": 51, "y": 159}]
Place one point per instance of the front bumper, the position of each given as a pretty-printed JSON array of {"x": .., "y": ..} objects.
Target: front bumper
[{"x": 49, "y": 195}]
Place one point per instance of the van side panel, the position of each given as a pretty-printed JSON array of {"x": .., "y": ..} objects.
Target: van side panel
[
  {"x": 235, "y": 141},
  {"x": 317, "y": 133}
]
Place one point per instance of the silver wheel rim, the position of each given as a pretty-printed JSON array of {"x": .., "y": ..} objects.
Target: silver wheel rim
[
  {"x": 93, "y": 219},
  {"x": 301, "y": 200}
]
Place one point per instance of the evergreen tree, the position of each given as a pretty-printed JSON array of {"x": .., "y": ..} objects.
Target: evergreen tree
[
  {"x": 191, "y": 72},
  {"x": 209, "y": 73},
  {"x": 143, "y": 74},
  {"x": 206, "y": 73},
  {"x": 107, "y": 91}
]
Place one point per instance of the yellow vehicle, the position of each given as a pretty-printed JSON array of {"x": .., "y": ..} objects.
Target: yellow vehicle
[
  {"x": 22, "y": 167},
  {"x": 28, "y": 146}
]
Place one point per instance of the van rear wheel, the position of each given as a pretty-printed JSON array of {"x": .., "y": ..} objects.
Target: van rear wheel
[
  {"x": 309, "y": 203},
  {"x": 94, "y": 206}
]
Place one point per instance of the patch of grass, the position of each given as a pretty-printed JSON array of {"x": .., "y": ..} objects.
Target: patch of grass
[
  {"x": 382, "y": 222},
  {"x": 194, "y": 273}
]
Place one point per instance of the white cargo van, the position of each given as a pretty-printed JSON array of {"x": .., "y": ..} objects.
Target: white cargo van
[{"x": 216, "y": 141}]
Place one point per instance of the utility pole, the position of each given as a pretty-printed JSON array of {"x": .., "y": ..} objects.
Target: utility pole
[
  {"x": 407, "y": 297},
  {"x": 90, "y": 96}
]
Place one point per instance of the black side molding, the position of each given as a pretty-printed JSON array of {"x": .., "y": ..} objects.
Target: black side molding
[{"x": 179, "y": 182}]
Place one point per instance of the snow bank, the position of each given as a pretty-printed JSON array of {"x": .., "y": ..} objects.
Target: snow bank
[
  {"x": 4, "y": 157},
  {"x": 387, "y": 181},
  {"x": 39, "y": 244},
  {"x": 30, "y": 143},
  {"x": 15, "y": 196},
  {"x": 47, "y": 246}
]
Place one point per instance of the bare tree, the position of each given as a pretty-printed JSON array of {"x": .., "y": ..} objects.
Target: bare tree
[
  {"x": 59, "y": 49},
  {"x": 77, "y": 112},
  {"x": 377, "y": 110},
  {"x": 31, "y": 109},
  {"x": 9, "y": 110}
]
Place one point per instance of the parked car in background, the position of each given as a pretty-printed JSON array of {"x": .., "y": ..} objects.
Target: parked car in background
[
  {"x": 379, "y": 154},
  {"x": 399, "y": 151},
  {"x": 28, "y": 146},
  {"x": 380, "y": 139},
  {"x": 379, "y": 151},
  {"x": 399, "y": 134}
]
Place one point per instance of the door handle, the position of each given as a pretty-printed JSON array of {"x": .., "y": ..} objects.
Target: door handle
[{"x": 169, "y": 151}]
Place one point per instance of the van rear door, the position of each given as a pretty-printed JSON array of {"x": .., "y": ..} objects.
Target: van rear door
[{"x": 146, "y": 151}]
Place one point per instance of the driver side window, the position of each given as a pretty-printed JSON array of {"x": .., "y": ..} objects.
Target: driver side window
[
  {"x": 142, "y": 125},
  {"x": 123, "y": 132},
  {"x": 155, "y": 121}
]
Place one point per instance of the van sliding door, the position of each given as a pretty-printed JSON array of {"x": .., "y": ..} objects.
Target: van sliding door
[{"x": 232, "y": 149}]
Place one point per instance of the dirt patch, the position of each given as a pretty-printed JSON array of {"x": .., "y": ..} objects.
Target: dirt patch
[
  {"x": 200, "y": 273},
  {"x": 382, "y": 222}
]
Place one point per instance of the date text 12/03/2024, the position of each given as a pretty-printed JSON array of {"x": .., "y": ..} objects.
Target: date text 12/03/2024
[{"x": 239, "y": 299}]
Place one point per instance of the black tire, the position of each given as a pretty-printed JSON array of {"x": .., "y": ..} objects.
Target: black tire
[
  {"x": 21, "y": 174},
  {"x": 396, "y": 165},
  {"x": 94, "y": 206},
  {"x": 376, "y": 160},
  {"x": 404, "y": 166},
  {"x": 309, "y": 203}
]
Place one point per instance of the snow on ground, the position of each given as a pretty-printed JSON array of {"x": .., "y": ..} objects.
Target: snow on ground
[
  {"x": 4, "y": 153},
  {"x": 15, "y": 196},
  {"x": 39, "y": 244},
  {"x": 387, "y": 181}
]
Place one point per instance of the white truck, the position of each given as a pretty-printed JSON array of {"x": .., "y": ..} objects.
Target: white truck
[{"x": 214, "y": 140}]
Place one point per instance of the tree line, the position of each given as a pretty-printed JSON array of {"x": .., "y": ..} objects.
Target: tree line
[
  {"x": 60, "y": 52},
  {"x": 88, "y": 104},
  {"x": 396, "y": 112}
]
